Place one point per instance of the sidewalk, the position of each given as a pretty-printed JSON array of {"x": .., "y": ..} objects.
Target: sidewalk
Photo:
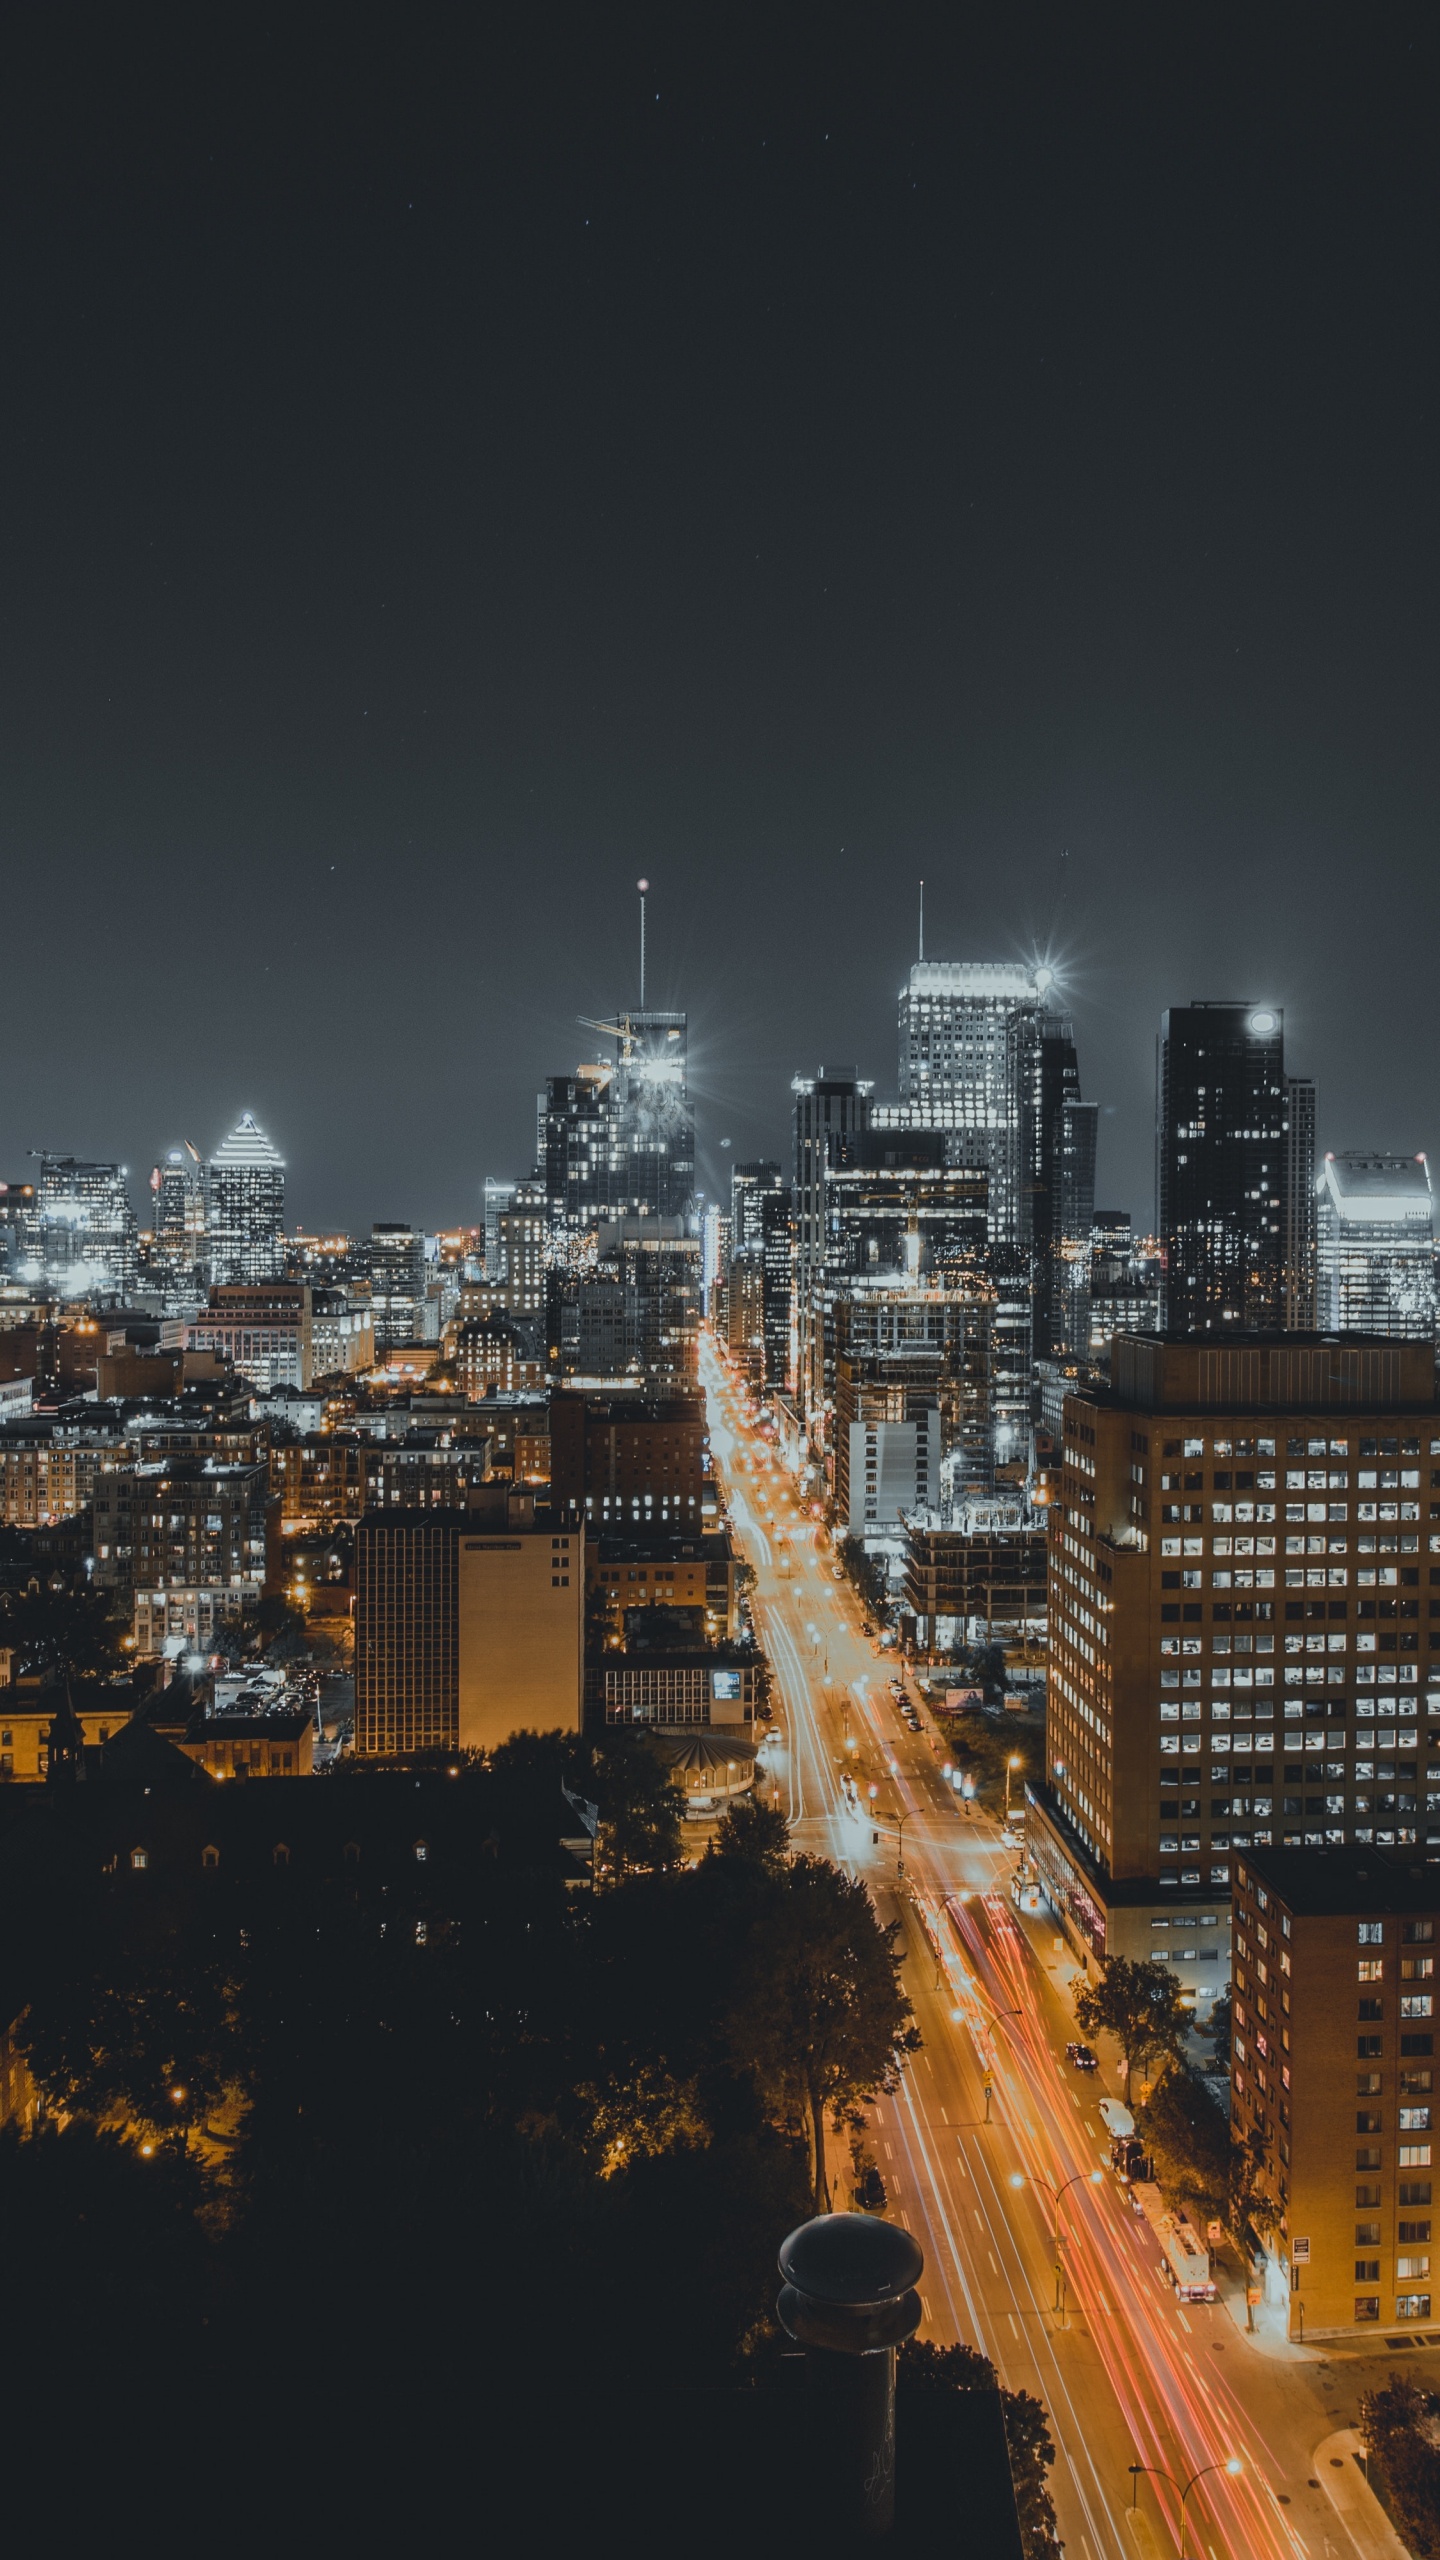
[{"x": 1353, "y": 2499}]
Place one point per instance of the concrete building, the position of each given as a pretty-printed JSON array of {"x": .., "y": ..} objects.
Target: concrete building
[
  {"x": 619, "y": 1465},
  {"x": 264, "y": 1328},
  {"x": 1239, "y": 1641},
  {"x": 1332, "y": 2077},
  {"x": 396, "y": 1255},
  {"x": 978, "y": 1574},
  {"x": 663, "y": 1690},
  {"x": 466, "y": 1630},
  {"x": 1375, "y": 1221}
]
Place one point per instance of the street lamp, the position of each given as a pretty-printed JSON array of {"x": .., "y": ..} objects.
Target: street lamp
[
  {"x": 1037, "y": 2178},
  {"x": 1232, "y": 2464},
  {"x": 1011, "y": 1765}
]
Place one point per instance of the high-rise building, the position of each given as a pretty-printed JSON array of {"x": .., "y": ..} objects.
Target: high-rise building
[
  {"x": 177, "y": 1187},
  {"x": 468, "y": 1628},
  {"x": 1240, "y": 1655},
  {"x": 1300, "y": 1299},
  {"x": 960, "y": 1067},
  {"x": 824, "y": 1109},
  {"x": 19, "y": 1229},
  {"x": 1376, "y": 1246},
  {"x": 637, "y": 1314},
  {"x": 1333, "y": 2082},
  {"x": 1057, "y": 1183},
  {"x": 247, "y": 1205},
  {"x": 750, "y": 1186},
  {"x": 397, "y": 1283},
  {"x": 86, "y": 1232},
  {"x": 1222, "y": 1163},
  {"x": 578, "y": 1154},
  {"x": 517, "y": 1251},
  {"x": 654, "y": 1116}
]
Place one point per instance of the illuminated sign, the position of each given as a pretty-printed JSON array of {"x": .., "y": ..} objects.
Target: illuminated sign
[{"x": 724, "y": 1684}]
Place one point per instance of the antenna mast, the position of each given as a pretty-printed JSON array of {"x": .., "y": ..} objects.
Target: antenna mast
[
  {"x": 922, "y": 919},
  {"x": 642, "y": 886}
]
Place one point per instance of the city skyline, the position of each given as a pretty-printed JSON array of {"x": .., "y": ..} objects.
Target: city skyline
[
  {"x": 728, "y": 1130},
  {"x": 782, "y": 484}
]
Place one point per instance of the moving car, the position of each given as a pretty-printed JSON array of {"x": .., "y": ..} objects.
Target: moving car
[{"x": 1081, "y": 2056}]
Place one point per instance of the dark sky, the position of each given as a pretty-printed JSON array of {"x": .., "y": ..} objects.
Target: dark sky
[{"x": 457, "y": 460}]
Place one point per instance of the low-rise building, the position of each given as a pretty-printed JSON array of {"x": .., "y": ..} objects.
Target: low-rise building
[
  {"x": 718, "y": 1686},
  {"x": 673, "y": 1573},
  {"x": 1332, "y": 2079}
]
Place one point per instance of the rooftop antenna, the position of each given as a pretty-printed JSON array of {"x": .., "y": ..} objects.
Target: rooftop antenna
[
  {"x": 922, "y": 919},
  {"x": 642, "y": 886}
]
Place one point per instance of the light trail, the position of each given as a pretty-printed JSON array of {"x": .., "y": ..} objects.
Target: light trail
[{"x": 1117, "y": 2368}]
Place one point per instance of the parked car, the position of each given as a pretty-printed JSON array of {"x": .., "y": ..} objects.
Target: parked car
[{"x": 1081, "y": 2056}]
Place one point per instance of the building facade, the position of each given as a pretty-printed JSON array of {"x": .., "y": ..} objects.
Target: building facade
[
  {"x": 246, "y": 1215},
  {"x": 1222, "y": 1163},
  {"x": 465, "y": 1632},
  {"x": 1375, "y": 1219},
  {"x": 961, "y": 1070},
  {"x": 1242, "y": 1647},
  {"x": 1333, "y": 2081}
]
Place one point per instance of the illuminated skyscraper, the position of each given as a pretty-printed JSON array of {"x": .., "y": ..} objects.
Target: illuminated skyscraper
[
  {"x": 960, "y": 1068},
  {"x": 86, "y": 1228},
  {"x": 654, "y": 1116},
  {"x": 1300, "y": 1205},
  {"x": 1223, "y": 1137},
  {"x": 178, "y": 1188},
  {"x": 247, "y": 1206},
  {"x": 1376, "y": 1246}
]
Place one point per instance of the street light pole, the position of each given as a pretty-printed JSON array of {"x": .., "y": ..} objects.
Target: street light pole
[
  {"x": 1037, "y": 2178},
  {"x": 1232, "y": 2464}
]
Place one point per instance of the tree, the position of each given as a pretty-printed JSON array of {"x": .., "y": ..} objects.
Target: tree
[
  {"x": 867, "y": 1575},
  {"x": 639, "y": 1807},
  {"x": 1219, "y": 2027},
  {"x": 818, "y": 2014},
  {"x": 1137, "y": 2002},
  {"x": 1402, "y": 2430},
  {"x": 1190, "y": 2139},
  {"x": 70, "y": 1634},
  {"x": 757, "y": 1833}
]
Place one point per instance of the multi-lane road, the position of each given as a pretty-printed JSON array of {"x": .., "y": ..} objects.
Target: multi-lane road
[{"x": 985, "y": 2177}]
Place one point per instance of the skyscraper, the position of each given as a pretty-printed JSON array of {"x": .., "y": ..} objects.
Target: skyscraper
[
  {"x": 577, "y": 1151},
  {"x": 86, "y": 1228},
  {"x": 1300, "y": 1205},
  {"x": 1376, "y": 1246},
  {"x": 1057, "y": 1183},
  {"x": 247, "y": 1205},
  {"x": 396, "y": 1256},
  {"x": 750, "y": 1185},
  {"x": 178, "y": 1188},
  {"x": 655, "y": 1118},
  {"x": 1222, "y": 1160},
  {"x": 959, "y": 1067}
]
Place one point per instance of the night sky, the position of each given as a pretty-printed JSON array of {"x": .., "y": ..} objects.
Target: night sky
[{"x": 457, "y": 460}]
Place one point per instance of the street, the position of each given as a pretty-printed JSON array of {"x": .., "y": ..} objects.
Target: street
[{"x": 987, "y": 2179}]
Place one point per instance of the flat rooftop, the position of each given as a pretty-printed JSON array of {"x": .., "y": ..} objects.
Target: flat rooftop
[{"x": 1318, "y": 1883}]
